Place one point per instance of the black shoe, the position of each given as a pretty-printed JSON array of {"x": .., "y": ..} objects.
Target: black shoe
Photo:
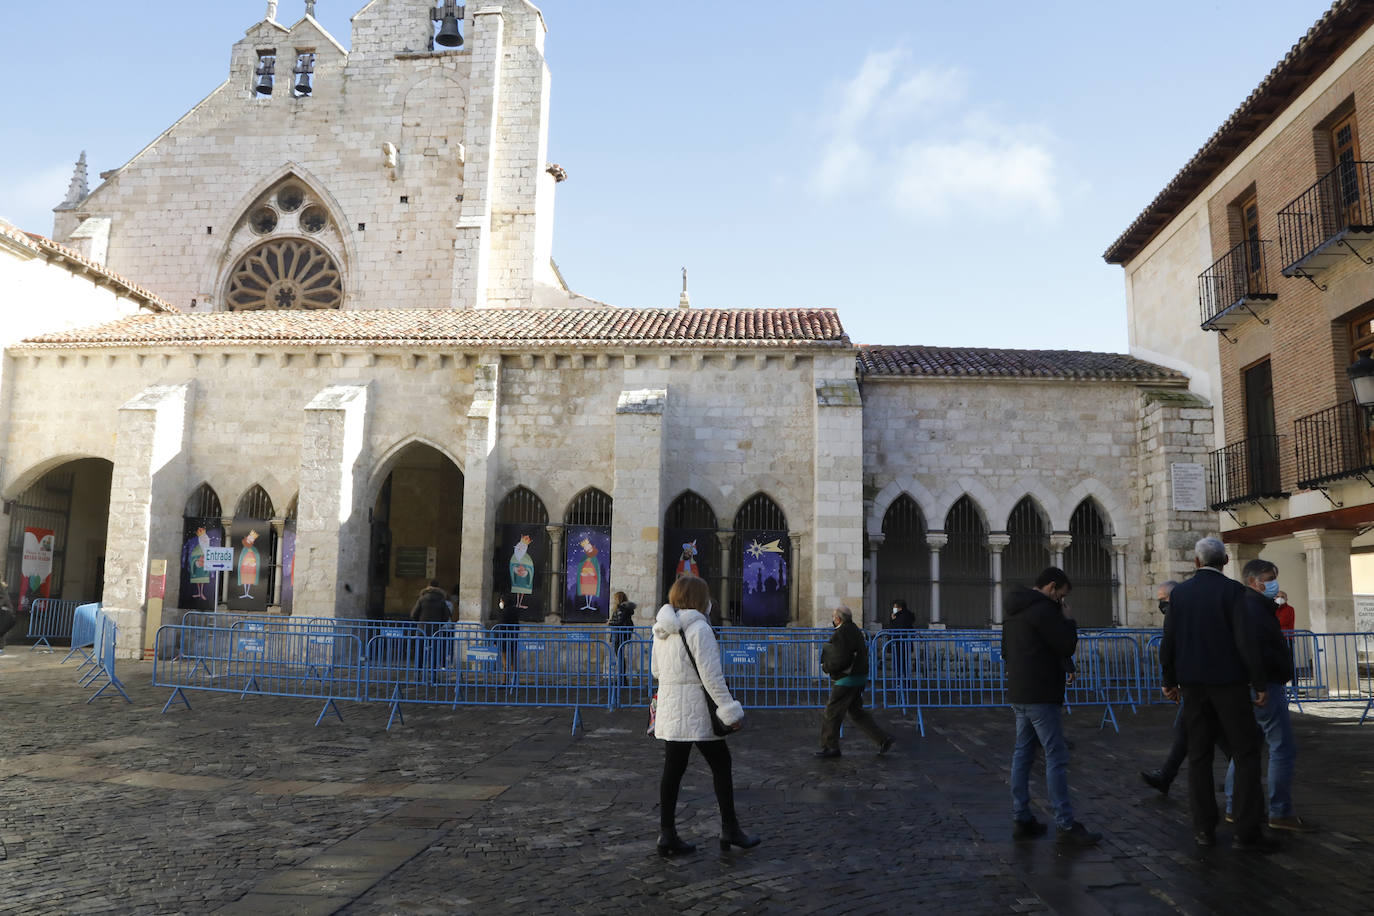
[
  {"x": 1205, "y": 838},
  {"x": 827, "y": 752},
  {"x": 731, "y": 835},
  {"x": 1028, "y": 830},
  {"x": 1259, "y": 843},
  {"x": 1077, "y": 835},
  {"x": 886, "y": 745},
  {"x": 669, "y": 844},
  {"x": 1156, "y": 780}
]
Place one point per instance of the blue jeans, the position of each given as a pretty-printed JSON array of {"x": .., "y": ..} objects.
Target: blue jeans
[
  {"x": 1039, "y": 724},
  {"x": 1283, "y": 753}
]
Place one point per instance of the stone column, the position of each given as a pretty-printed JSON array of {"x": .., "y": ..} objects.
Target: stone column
[
  {"x": 556, "y": 572},
  {"x": 871, "y": 611},
  {"x": 484, "y": 45},
  {"x": 147, "y": 490},
  {"x": 1059, "y": 542},
  {"x": 996, "y": 544},
  {"x": 935, "y": 540},
  {"x": 638, "y": 492},
  {"x": 836, "y": 565},
  {"x": 1330, "y": 592},
  {"x": 279, "y": 537},
  {"x": 797, "y": 617},
  {"x": 726, "y": 538},
  {"x": 333, "y": 534},
  {"x": 1121, "y": 611},
  {"x": 1238, "y": 554},
  {"x": 475, "y": 583}
]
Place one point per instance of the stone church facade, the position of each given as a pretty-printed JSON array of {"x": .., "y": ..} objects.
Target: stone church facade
[{"x": 361, "y": 366}]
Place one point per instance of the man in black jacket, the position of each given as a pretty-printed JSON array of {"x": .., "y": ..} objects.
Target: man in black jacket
[
  {"x": 1038, "y": 639},
  {"x": 845, "y": 659},
  {"x": 1211, "y": 651}
]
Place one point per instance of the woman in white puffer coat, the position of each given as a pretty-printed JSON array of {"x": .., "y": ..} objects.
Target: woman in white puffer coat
[{"x": 683, "y": 718}]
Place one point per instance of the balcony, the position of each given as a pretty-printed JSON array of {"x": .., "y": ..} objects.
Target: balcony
[
  {"x": 1244, "y": 472},
  {"x": 1332, "y": 444},
  {"x": 1229, "y": 290},
  {"x": 1320, "y": 228}
]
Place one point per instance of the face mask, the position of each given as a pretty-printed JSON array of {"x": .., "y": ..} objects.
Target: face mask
[
  {"x": 1271, "y": 589},
  {"x": 1164, "y": 605},
  {"x": 1280, "y": 601}
]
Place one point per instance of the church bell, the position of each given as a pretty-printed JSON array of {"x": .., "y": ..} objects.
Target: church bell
[
  {"x": 449, "y": 36},
  {"x": 264, "y": 84}
]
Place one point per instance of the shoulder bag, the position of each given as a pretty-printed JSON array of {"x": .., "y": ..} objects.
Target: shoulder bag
[{"x": 717, "y": 726}]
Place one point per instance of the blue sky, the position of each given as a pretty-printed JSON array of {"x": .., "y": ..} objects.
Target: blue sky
[{"x": 943, "y": 173}]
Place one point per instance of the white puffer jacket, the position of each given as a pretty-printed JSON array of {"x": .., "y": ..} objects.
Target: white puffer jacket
[{"x": 682, "y": 713}]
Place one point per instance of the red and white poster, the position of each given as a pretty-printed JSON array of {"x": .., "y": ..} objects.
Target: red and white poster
[{"x": 35, "y": 566}]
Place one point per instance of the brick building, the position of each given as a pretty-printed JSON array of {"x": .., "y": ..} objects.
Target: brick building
[
  {"x": 1251, "y": 273},
  {"x": 365, "y": 371}
]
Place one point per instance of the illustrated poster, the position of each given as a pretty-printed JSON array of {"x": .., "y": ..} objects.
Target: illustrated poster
[
  {"x": 766, "y": 578},
  {"x": 35, "y": 566},
  {"x": 198, "y": 585},
  {"x": 249, "y": 582},
  {"x": 522, "y": 564},
  {"x": 689, "y": 551},
  {"x": 587, "y": 589}
]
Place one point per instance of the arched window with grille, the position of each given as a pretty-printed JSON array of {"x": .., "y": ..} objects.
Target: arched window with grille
[
  {"x": 1029, "y": 551},
  {"x": 252, "y": 584},
  {"x": 587, "y": 553},
  {"x": 202, "y": 528},
  {"x": 904, "y": 561},
  {"x": 1088, "y": 564},
  {"x": 690, "y": 543},
  {"x": 760, "y": 565},
  {"x": 965, "y": 568},
  {"x": 524, "y": 571}
]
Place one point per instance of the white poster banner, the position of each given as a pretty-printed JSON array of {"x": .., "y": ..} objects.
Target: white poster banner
[{"x": 1189, "y": 485}]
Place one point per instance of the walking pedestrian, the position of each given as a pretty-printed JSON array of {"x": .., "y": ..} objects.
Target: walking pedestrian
[
  {"x": 621, "y": 623},
  {"x": 1038, "y": 641},
  {"x": 845, "y": 659},
  {"x": 901, "y": 623},
  {"x": 430, "y": 613},
  {"x": 1210, "y": 656},
  {"x": 507, "y": 633},
  {"x": 686, "y": 664},
  {"x": 1261, "y": 577},
  {"x": 1162, "y": 778}
]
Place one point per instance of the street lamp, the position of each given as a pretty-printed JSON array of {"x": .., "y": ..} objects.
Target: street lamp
[{"x": 1361, "y": 375}]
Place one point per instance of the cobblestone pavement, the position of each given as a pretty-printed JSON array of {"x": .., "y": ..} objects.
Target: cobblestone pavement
[{"x": 246, "y": 807}]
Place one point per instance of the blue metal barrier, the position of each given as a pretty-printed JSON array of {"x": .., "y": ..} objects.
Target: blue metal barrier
[
  {"x": 50, "y": 618},
  {"x": 104, "y": 657},
  {"x": 83, "y": 633}
]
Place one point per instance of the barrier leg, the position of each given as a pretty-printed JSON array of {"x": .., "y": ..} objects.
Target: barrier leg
[
  {"x": 1108, "y": 715},
  {"x": 115, "y": 683},
  {"x": 74, "y": 650},
  {"x": 1365, "y": 714},
  {"x": 577, "y": 719},
  {"x": 395, "y": 708},
  {"x": 42, "y": 641},
  {"x": 921, "y": 721},
  {"x": 251, "y": 685},
  {"x": 328, "y": 705},
  {"x": 175, "y": 693}
]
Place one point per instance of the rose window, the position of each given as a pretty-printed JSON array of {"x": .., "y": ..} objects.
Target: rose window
[{"x": 285, "y": 273}]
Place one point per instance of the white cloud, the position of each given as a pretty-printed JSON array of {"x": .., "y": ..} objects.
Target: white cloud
[
  {"x": 26, "y": 200},
  {"x": 892, "y": 136}
]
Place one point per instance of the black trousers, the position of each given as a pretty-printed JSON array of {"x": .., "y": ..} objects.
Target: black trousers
[
  {"x": 1178, "y": 751},
  {"x": 847, "y": 699},
  {"x": 675, "y": 755},
  {"x": 1226, "y": 712}
]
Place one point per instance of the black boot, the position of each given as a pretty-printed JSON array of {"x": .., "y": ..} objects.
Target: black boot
[
  {"x": 731, "y": 835},
  {"x": 670, "y": 844}
]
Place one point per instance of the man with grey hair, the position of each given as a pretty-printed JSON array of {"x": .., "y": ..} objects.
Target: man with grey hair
[
  {"x": 845, "y": 659},
  {"x": 1210, "y": 656}
]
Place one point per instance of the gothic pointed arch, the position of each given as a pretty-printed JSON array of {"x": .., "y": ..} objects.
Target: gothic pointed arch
[
  {"x": 589, "y": 554},
  {"x": 690, "y": 542},
  {"x": 966, "y": 567},
  {"x": 760, "y": 564},
  {"x": 1088, "y": 562},
  {"x": 1028, "y": 552},
  {"x": 286, "y": 250},
  {"x": 904, "y": 560}
]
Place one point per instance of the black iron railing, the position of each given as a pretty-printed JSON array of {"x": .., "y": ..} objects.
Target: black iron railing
[
  {"x": 1238, "y": 276},
  {"x": 1331, "y": 444},
  {"x": 1243, "y": 472},
  {"x": 1341, "y": 200}
]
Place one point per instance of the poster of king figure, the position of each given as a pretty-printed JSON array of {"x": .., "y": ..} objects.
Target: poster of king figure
[
  {"x": 199, "y": 585},
  {"x": 766, "y": 575},
  {"x": 587, "y": 594},
  {"x": 521, "y": 560},
  {"x": 251, "y": 539},
  {"x": 689, "y": 551}
]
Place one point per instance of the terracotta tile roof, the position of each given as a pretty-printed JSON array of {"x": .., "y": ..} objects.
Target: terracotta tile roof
[
  {"x": 1304, "y": 62},
  {"x": 515, "y": 327},
  {"x": 81, "y": 264},
  {"x": 961, "y": 362}
]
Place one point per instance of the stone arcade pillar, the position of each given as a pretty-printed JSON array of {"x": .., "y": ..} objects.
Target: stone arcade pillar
[
  {"x": 1059, "y": 542},
  {"x": 726, "y": 538},
  {"x": 147, "y": 491},
  {"x": 996, "y": 544},
  {"x": 871, "y": 609},
  {"x": 1120, "y": 616},
  {"x": 557, "y": 575},
  {"x": 638, "y": 492},
  {"x": 333, "y": 534},
  {"x": 935, "y": 540},
  {"x": 793, "y": 591},
  {"x": 475, "y": 583},
  {"x": 1330, "y": 591},
  {"x": 837, "y": 544}
]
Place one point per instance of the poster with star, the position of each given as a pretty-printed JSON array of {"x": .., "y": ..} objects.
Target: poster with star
[{"x": 766, "y": 578}]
